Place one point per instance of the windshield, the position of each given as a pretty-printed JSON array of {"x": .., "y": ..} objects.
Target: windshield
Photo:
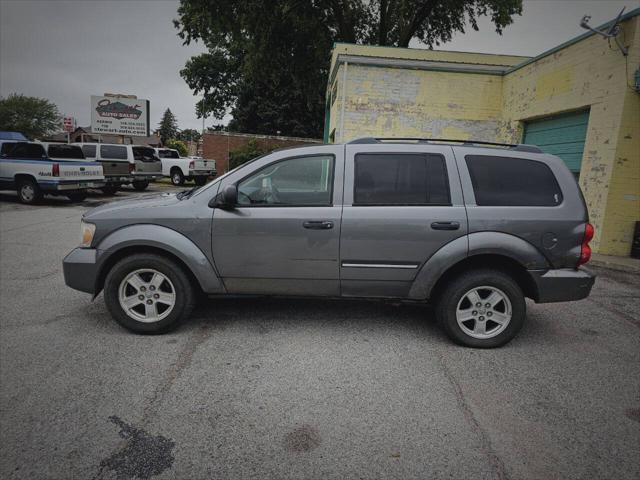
[
  {"x": 66, "y": 151},
  {"x": 166, "y": 153}
]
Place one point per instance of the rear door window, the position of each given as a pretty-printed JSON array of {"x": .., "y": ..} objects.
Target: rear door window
[
  {"x": 400, "y": 179},
  {"x": 65, "y": 151},
  {"x": 507, "y": 181},
  {"x": 114, "y": 152}
]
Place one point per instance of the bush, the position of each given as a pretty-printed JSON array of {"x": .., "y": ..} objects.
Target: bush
[
  {"x": 248, "y": 152},
  {"x": 179, "y": 146}
]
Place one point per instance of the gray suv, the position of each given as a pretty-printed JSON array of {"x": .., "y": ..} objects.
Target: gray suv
[{"x": 473, "y": 228}]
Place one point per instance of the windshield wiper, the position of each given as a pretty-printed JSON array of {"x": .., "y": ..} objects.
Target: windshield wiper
[{"x": 186, "y": 193}]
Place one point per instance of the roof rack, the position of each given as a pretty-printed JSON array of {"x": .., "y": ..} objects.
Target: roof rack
[{"x": 519, "y": 147}]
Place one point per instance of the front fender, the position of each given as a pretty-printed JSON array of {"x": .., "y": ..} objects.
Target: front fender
[
  {"x": 163, "y": 238},
  {"x": 480, "y": 243}
]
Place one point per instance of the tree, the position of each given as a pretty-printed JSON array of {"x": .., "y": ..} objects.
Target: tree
[
  {"x": 267, "y": 60},
  {"x": 34, "y": 117},
  {"x": 247, "y": 152},
  {"x": 177, "y": 145},
  {"x": 189, "y": 135},
  {"x": 168, "y": 127}
]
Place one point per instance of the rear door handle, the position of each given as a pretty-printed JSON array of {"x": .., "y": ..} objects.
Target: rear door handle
[
  {"x": 445, "y": 225},
  {"x": 318, "y": 224}
]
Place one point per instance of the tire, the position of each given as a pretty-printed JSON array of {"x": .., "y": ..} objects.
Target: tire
[
  {"x": 177, "y": 178},
  {"x": 200, "y": 181},
  {"x": 109, "y": 190},
  {"x": 458, "y": 294},
  {"x": 141, "y": 186},
  {"x": 29, "y": 192},
  {"x": 138, "y": 269},
  {"x": 77, "y": 197}
]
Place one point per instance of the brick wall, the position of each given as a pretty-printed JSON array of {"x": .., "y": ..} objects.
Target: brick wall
[{"x": 217, "y": 145}]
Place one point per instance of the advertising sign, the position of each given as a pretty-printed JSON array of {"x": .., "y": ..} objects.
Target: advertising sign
[
  {"x": 120, "y": 115},
  {"x": 68, "y": 124}
]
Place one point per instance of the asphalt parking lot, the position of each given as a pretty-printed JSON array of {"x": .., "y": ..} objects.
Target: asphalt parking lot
[{"x": 299, "y": 388}]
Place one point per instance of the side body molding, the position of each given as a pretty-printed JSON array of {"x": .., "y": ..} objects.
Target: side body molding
[
  {"x": 165, "y": 239},
  {"x": 488, "y": 243}
]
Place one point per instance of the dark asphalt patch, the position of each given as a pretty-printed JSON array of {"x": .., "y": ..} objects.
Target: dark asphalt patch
[
  {"x": 633, "y": 414},
  {"x": 144, "y": 455},
  {"x": 302, "y": 439}
]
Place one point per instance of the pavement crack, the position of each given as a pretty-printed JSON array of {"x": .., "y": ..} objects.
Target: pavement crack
[
  {"x": 118, "y": 460},
  {"x": 486, "y": 446}
]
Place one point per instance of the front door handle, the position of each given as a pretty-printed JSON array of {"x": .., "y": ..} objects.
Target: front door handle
[
  {"x": 445, "y": 225},
  {"x": 318, "y": 224}
]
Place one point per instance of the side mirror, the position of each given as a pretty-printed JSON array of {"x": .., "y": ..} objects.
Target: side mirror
[{"x": 228, "y": 198}]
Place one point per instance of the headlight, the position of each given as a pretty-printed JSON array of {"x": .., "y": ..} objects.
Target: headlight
[{"x": 86, "y": 233}]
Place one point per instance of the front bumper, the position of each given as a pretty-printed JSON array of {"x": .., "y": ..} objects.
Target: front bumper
[
  {"x": 81, "y": 269},
  {"x": 562, "y": 285}
]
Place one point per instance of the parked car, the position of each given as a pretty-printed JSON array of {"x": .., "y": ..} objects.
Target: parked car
[
  {"x": 474, "y": 229},
  {"x": 134, "y": 165},
  {"x": 15, "y": 136},
  {"x": 179, "y": 169},
  {"x": 26, "y": 167}
]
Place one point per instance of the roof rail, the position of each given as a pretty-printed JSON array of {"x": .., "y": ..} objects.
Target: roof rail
[{"x": 520, "y": 147}]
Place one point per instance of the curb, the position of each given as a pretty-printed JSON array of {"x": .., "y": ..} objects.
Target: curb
[{"x": 614, "y": 266}]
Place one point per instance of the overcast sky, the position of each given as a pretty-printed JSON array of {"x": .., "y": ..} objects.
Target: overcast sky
[{"x": 68, "y": 50}]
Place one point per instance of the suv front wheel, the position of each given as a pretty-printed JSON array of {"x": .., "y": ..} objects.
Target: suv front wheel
[
  {"x": 148, "y": 293},
  {"x": 482, "y": 309}
]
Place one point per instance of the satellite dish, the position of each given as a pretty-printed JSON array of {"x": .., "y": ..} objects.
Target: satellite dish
[{"x": 612, "y": 32}]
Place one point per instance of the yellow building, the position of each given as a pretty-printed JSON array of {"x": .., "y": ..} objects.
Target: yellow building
[{"x": 579, "y": 101}]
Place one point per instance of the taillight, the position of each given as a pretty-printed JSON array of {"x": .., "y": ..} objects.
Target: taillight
[
  {"x": 132, "y": 168},
  {"x": 192, "y": 165},
  {"x": 585, "y": 249},
  {"x": 55, "y": 170}
]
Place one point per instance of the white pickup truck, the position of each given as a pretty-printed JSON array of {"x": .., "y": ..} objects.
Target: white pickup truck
[
  {"x": 179, "y": 169},
  {"x": 26, "y": 167}
]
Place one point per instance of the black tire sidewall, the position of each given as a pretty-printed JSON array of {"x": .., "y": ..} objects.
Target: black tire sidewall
[
  {"x": 184, "y": 293},
  {"x": 109, "y": 190},
  {"x": 37, "y": 193},
  {"x": 180, "y": 176},
  {"x": 448, "y": 303},
  {"x": 200, "y": 181},
  {"x": 140, "y": 186},
  {"x": 77, "y": 197}
]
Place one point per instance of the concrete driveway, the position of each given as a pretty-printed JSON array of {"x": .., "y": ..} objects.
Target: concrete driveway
[{"x": 298, "y": 388}]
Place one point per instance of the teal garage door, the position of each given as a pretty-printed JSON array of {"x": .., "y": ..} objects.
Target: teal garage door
[{"x": 561, "y": 135}]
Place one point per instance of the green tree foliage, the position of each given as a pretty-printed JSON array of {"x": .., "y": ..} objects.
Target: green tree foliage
[
  {"x": 248, "y": 152},
  {"x": 168, "y": 127},
  {"x": 267, "y": 60},
  {"x": 32, "y": 116},
  {"x": 189, "y": 134},
  {"x": 178, "y": 145}
]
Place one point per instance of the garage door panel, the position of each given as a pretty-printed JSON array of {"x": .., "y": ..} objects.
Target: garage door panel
[{"x": 562, "y": 135}]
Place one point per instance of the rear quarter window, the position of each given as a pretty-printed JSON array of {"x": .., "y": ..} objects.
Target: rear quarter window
[
  {"x": 65, "y": 151},
  {"x": 113, "y": 152},
  {"x": 89, "y": 151},
  {"x": 512, "y": 182}
]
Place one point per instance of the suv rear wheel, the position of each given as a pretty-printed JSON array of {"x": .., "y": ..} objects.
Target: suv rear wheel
[
  {"x": 482, "y": 309},
  {"x": 148, "y": 293}
]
